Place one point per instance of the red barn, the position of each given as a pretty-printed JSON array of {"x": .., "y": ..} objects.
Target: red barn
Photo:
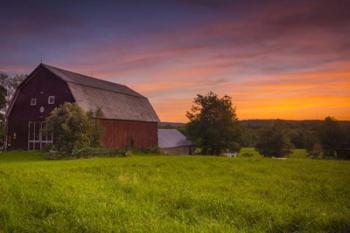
[{"x": 129, "y": 119}]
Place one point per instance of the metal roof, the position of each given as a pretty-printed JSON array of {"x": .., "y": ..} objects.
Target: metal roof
[
  {"x": 170, "y": 138},
  {"x": 115, "y": 100}
]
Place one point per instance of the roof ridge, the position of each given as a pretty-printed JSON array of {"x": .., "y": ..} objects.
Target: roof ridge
[
  {"x": 90, "y": 86},
  {"x": 133, "y": 93},
  {"x": 85, "y": 76}
]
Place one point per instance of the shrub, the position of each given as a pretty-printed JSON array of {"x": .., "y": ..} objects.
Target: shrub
[
  {"x": 247, "y": 154},
  {"x": 93, "y": 151},
  {"x": 274, "y": 141},
  {"x": 332, "y": 136},
  {"x": 316, "y": 151},
  {"x": 85, "y": 153},
  {"x": 73, "y": 128},
  {"x": 153, "y": 150}
]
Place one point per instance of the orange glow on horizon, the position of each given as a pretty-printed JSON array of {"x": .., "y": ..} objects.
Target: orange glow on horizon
[{"x": 309, "y": 95}]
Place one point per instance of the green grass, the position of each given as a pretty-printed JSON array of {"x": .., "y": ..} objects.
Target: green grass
[
  {"x": 20, "y": 156},
  {"x": 249, "y": 152},
  {"x": 252, "y": 152},
  {"x": 173, "y": 194}
]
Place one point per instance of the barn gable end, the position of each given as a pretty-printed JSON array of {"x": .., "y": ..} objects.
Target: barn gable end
[{"x": 39, "y": 85}]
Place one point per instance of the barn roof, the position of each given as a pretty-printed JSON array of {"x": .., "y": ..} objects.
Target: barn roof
[
  {"x": 170, "y": 138},
  {"x": 81, "y": 79},
  {"x": 115, "y": 100}
]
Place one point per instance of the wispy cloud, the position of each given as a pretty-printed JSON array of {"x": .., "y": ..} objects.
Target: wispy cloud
[{"x": 278, "y": 59}]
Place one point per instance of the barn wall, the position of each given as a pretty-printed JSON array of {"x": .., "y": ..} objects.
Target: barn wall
[
  {"x": 123, "y": 133},
  {"x": 42, "y": 85}
]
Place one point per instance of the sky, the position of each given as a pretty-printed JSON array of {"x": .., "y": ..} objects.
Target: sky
[{"x": 276, "y": 59}]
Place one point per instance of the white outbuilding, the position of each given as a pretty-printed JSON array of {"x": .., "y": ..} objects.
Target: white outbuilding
[{"x": 172, "y": 141}]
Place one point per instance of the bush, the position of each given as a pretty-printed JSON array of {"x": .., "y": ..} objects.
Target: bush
[
  {"x": 274, "y": 141},
  {"x": 85, "y": 153},
  {"x": 332, "y": 136},
  {"x": 73, "y": 128},
  {"x": 154, "y": 150},
  {"x": 316, "y": 151},
  {"x": 247, "y": 154},
  {"x": 92, "y": 151}
]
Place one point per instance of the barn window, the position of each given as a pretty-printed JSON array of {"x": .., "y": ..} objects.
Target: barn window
[
  {"x": 33, "y": 101},
  {"x": 51, "y": 99}
]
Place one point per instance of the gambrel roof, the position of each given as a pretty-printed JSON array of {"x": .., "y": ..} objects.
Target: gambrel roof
[
  {"x": 115, "y": 100},
  {"x": 80, "y": 79}
]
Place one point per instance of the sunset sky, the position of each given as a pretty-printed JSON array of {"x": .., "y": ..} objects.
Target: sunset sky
[{"x": 277, "y": 59}]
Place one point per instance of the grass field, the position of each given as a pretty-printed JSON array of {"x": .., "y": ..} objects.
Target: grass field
[{"x": 173, "y": 194}]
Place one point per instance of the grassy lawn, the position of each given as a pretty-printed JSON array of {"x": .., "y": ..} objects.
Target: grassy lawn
[{"x": 173, "y": 194}]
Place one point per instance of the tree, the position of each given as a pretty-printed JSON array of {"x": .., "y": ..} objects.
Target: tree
[
  {"x": 274, "y": 141},
  {"x": 344, "y": 151},
  {"x": 96, "y": 130},
  {"x": 9, "y": 84},
  {"x": 2, "y": 111},
  {"x": 331, "y": 136},
  {"x": 213, "y": 124},
  {"x": 73, "y": 128},
  {"x": 3, "y": 94},
  {"x": 249, "y": 136},
  {"x": 2, "y": 116}
]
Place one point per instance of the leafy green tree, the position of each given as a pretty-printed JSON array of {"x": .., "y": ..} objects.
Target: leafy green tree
[
  {"x": 2, "y": 97},
  {"x": 332, "y": 136},
  {"x": 73, "y": 128},
  {"x": 9, "y": 83},
  {"x": 95, "y": 129},
  {"x": 344, "y": 151},
  {"x": 213, "y": 124},
  {"x": 274, "y": 141},
  {"x": 2, "y": 114},
  {"x": 249, "y": 136}
]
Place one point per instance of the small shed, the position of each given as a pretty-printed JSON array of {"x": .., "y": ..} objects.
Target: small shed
[{"x": 172, "y": 141}]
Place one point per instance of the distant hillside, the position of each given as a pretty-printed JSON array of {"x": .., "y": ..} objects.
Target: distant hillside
[
  {"x": 170, "y": 124},
  {"x": 290, "y": 123},
  {"x": 256, "y": 123}
]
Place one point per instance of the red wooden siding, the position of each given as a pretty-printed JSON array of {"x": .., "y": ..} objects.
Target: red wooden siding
[{"x": 123, "y": 133}]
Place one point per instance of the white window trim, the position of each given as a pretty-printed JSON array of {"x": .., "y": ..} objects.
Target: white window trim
[
  {"x": 38, "y": 138},
  {"x": 32, "y": 101},
  {"x": 51, "y": 99}
]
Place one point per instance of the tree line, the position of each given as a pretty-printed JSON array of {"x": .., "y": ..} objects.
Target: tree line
[{"x": 214, "y": 127}]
